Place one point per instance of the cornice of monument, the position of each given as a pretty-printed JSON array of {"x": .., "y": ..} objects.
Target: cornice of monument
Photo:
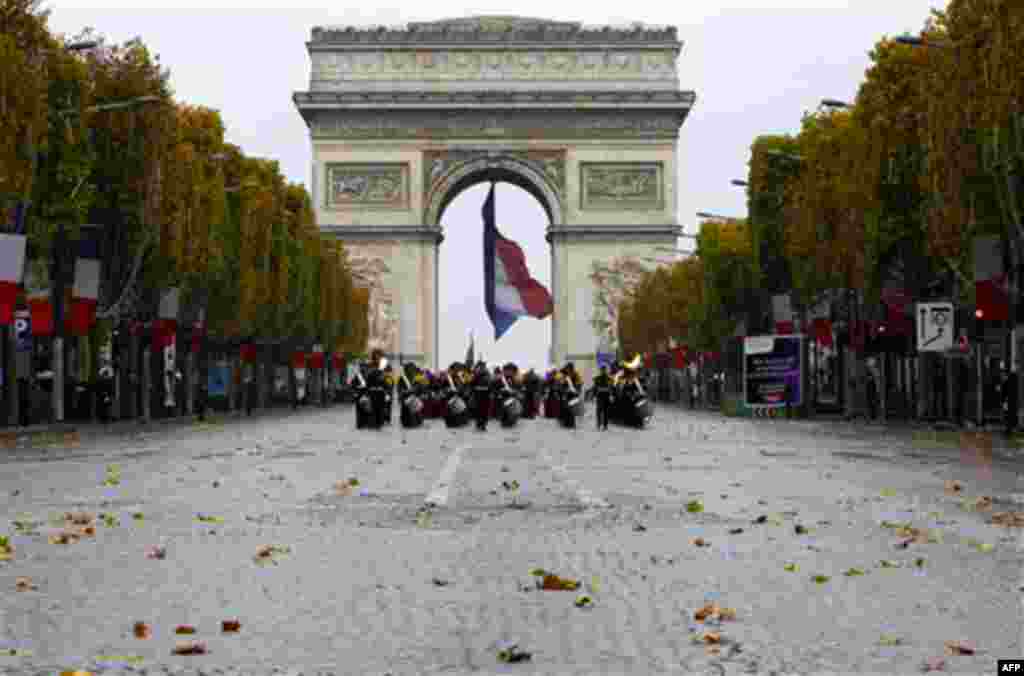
[
  {"x": 500, "y": 30},
  {"x": 504, "y": 100}
]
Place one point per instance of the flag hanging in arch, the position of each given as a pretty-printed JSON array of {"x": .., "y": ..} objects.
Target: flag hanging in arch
[{"x": 509, "y": 290}]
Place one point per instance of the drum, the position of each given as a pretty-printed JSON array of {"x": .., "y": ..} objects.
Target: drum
[
  {"x": 642, "y": 409},
  {"x": 413, "y": 404},
  {"x": 456, "y": 406},
  {"x": 365, "y": 404}
]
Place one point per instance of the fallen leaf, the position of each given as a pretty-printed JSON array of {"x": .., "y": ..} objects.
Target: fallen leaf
[
  {"x": 189, "y": 648},
  {"x": 438, "y": 582},
  {"x": 800, "y": 529},
  {"x": 266, "y": 553},
  {"x": 138, "y": 516},
  {"x": 1008, "y": 519},
  {"x": 343, "y": 489},
  {"x": 639, "y": 528},
  {"x": 230, "y": 626},
  {"x": 184, "y": 629},
  {"x": 6, "y": 548},
  {"x": 80, "y": 518},
  {"x": 206, "y": 518},
  {"x": 109, "y": 520},
  {"x": 88, "y": 531},
  {"x": 538, "y": 572},
  {"x": 727, "y": 614},
  {"x": 853, "y": 572},
  {"x": 985, "y": 547},
  {"x": 155, "y": 552},
  {"x": 761, "y": 519},
  {"x": 888, "y": 493},
  {"x": 890, "y": 640},
  {"x": 791, "y": 567},
  {"x": 511, "y": 654},
  {"x": 820, "y": 579},
  {"x": 933, "y": 664},
  {"x": 141, "y": 630},
  {"x": 983, "y": 503},
  {"x": 887, "y": 563},
  {"x": 353, "y": 482},
  {"x": 735, "y": 531},
  {"x": 63, "y": 538},
  {"x": 953, "y": 486},
  {"x": 25, "y": 584},
  {"x": 959, "y": 648},
  {"x": 711, "y": 637},
  {"x": 76, "y": 673},
  {"x": 694, "y": 506},
  {"x": 919, "y": 562},
  {"x": 706, "y": 611},
  {"x": 556, "y": 583},
  {"x": 583, "y": 601},
  {"x": 700, "y": 542}
]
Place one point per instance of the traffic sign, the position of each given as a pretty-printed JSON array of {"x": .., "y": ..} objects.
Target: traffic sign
[{"x": 935, "y": 327}]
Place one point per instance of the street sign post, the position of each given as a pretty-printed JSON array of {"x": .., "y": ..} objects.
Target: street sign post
[{"x": 935, "y": 327}]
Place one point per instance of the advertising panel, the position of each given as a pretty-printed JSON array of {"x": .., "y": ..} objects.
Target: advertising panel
[{"x": 770, "y": 363}]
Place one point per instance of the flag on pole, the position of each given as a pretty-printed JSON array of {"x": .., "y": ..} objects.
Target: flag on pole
[
  {"x": 991, "y": 293},
  {"x": 509, "y": 290},
  {"x": 470, "y": 351},
  {"x": 37, "y": 290},
  {"x": 86, "y": 291},
  {"x": 12, "y": 267}
]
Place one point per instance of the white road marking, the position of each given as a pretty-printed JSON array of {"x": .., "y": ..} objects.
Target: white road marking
[{"x": 438, "y": 497}]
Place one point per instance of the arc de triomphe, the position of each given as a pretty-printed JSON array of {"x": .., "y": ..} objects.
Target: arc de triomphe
[{"x": 404, "y": 119}]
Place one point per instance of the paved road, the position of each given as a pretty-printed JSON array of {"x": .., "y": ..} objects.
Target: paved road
[{"x": 375, "y": 584}]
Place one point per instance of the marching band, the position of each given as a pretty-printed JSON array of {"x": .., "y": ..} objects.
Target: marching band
[{"x": 465, "y": 392}]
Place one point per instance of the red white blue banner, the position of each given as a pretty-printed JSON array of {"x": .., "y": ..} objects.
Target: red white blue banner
[{"x": 509, "y": 290}]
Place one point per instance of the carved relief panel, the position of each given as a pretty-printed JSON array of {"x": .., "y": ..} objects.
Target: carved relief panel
[
  {"x": 370, "y": 268},
  {"x": 367, "y": 186},
  {"x": 486, "y": 64},
  {"x": 622, "y": 186}
]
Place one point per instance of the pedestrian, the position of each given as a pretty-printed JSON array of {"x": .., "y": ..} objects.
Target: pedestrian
[
  {"x": 872, "y": 396},
  {"x": 1012, "y": 404},
  {"x": 482, "y": 395}
]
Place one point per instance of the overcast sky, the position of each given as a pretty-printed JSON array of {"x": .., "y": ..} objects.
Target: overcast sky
[{"x": 756, "y": 66}]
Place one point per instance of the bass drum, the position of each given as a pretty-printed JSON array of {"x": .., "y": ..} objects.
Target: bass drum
[
  {"x": 412, "y": 410},
  {"x": 456, "y": 415},
  {"x": 365, "y": 405},
  {"x": 642, "y": 412},
  {"x": 511, "y": 411},
  {"x": 413, "y": 405}
]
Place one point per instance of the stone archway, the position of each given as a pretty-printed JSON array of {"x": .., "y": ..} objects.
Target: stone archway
[
  {"x": 451, "y": 172},
  {"x": 586, "y": 119}
]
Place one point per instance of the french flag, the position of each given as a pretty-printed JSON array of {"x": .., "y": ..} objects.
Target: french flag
[{"x": 509, "y": 290}]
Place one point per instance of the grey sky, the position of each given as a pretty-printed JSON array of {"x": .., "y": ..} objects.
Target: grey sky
[{"x": 756, "y": 66}]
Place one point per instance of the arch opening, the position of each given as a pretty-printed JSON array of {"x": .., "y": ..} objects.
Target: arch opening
[
  {"x": 522, "y": 216},
  {"x": 498, "y": 169}
]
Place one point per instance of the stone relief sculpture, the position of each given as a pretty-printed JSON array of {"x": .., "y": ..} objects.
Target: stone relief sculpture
[
  {"x": 611, "y": 280},
  {"x": 370, "y": 271},
  {"x": 366, "y": 184},
  {"x": 614, "y": 185}
]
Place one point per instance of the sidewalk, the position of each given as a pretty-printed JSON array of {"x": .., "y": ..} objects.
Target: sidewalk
[{"x": 128, "y": 426}]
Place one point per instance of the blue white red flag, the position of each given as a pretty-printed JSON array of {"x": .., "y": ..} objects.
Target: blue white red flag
[{"x": 509, "y": 290}]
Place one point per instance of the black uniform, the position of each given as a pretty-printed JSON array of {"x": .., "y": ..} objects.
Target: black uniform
[
  {"x": 482, "y": 397},
  {"x": 603, "y": 398}
]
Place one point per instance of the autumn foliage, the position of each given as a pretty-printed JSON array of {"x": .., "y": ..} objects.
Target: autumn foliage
[
  {"x": 887, "y": 191},
  {"x": 95, "y": 136}
]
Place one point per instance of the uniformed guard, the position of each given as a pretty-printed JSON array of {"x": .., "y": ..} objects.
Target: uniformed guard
[
  {"x": 410, "y": 386},
  {"x": 482, "y": 395},
  {"x": 361, "y": 390},
  {"x": 603, "y": 397}
]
